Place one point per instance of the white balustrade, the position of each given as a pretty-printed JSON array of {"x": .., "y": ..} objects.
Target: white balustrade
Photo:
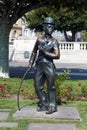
[
  {"x": 72, "y": 52},
  {"x": 66, "y": 46},
  {"x": 83, "y": 46},
  {"x": 73, "y": 45}
]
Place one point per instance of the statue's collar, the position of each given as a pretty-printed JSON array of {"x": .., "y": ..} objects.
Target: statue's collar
[{"x": 47, "y": 36}]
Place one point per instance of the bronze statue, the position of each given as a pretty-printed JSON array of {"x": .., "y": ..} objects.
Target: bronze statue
[{"x": 47, "y": 48}]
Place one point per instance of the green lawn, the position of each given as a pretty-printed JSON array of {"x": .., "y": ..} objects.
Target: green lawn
[{"x": 11, "y": 86}]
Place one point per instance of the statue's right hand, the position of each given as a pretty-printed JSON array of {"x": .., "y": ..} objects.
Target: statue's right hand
[{"x": 29, "y": 66}]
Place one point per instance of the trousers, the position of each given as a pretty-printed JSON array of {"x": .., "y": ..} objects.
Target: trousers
[{"x": 45, "y": 74}]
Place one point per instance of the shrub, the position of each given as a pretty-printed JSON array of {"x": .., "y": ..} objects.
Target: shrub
[
  {"x": 5, "y": 89},
  {"x": 68, "y": 90},
  {"x": 60, "y": 78}
]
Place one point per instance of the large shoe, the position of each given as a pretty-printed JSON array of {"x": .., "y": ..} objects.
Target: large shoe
[
  {"x": 51, "y": 110},
  {"x": 42, "y": 108}
]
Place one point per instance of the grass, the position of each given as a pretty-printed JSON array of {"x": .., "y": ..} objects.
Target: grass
[{"x": 14, "y": 84}]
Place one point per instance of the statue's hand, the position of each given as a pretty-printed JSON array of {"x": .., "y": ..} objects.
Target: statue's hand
[
  {"x": 29, "y": 66},
  {"x": 41, "y": 49}
]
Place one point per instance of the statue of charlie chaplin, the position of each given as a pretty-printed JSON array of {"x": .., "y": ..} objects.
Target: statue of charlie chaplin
[{"x": 48, "y": 49}]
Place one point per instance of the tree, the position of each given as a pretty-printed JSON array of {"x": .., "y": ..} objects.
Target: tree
[
  {"x": 72, "y": 16},
  {"x": 68, "y": 16},
  {"x": 74, "y": 21},
  {"x": 10, "y": 12}
]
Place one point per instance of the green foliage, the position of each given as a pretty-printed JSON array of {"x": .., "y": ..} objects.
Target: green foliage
[
  {"x": 85, "y": 35},
  {"x": 70, "y": 91},
  {"x": 70, "y": 20},
  {"x": 61, "y": 77},
  {"x": 14, "y": 9},
  {"x": 5, "y": 89},
  {"x": 67, "y": 18},
  {"x": 66, "y": 89},
  {"x": 35, "y": 17},
  {"x": 9, "y": 88}
]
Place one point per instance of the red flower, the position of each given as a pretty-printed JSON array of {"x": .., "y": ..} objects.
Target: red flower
[
  {"x": 79, "y": 84},
  {"x": 22, "y": 90},
  {"x": 4, "y": 80},
  {"x": 1, "y": 87}
]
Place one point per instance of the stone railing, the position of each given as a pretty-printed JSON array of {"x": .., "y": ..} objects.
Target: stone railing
[{"x": 73, "y": 45}]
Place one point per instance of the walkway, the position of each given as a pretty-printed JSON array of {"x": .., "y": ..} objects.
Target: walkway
[
  {"x": 29, "y": 112},
  {"x": 4, "y": 115},
  {"x": 78, "y": 70}
]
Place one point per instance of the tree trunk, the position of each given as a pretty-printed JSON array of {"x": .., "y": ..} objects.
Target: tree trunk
[
  {"x": 68, "y": 39},
  {"x": 4, "y": 51},
  {"x": 73, "y": 34}
]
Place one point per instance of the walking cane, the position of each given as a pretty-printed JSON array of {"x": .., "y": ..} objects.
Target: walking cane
[{"x": 18, "y": 95}]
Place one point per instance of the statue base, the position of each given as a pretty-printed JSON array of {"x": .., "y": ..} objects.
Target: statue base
[{"x": 63, "y": 113}]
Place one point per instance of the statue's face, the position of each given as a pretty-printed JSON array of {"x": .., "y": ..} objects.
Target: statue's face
[{"x": 48, "y": 28}]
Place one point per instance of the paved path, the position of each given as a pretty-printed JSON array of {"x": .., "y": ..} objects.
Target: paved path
[
  {"x": 51, "y": 126},
  {"x": 78, "y": 71},
  {"x": 4, "y": 115},
  {"x": 64, "y": 113}
]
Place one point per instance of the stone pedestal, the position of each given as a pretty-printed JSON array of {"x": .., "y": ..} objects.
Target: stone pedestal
[{"x": 63, "y": 113}]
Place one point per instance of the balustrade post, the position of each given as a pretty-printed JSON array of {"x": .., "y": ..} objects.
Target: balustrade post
[{"x": 76, "y": 46}]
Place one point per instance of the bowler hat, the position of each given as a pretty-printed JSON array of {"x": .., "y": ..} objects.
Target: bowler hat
[{"x": 48, "y": 20}]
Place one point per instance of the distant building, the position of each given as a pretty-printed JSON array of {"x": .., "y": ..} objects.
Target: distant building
[{"x": 16, "y": 30}]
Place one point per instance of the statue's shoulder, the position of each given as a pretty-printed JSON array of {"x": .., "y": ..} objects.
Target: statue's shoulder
[{"x": 39, "y": 36}]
